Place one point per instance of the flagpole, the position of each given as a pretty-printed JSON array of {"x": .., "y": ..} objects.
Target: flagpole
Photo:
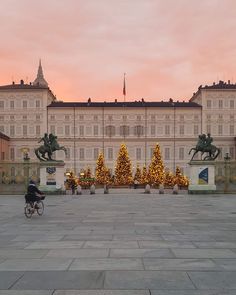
[{"x": 124, "y": 88}]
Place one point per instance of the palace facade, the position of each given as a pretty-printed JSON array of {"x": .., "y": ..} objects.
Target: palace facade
[{"x": 27, "y": 111}]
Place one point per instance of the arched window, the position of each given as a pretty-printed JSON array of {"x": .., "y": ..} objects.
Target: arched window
[
  {"x": 138, "y": 130},
  {"x": 124, "y": 130}
]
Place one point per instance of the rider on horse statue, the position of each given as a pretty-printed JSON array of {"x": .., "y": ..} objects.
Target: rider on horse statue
[
  {"x": 204, "y": 145},
  {"x": 50, "y": 145}
]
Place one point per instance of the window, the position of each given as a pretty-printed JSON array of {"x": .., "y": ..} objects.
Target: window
[
  {"x": 138, "y": 130},
  {"x": 196, "y": 117},
  {"x": 167, "y": 129},
  {"x": 52, "y": 129},
  {"x": 37, "y": 117},
  {"x": 52, "y": 117},
  {"x": 95, "y": 153},
  {"x": 181, "y": 153},
  {"x": 181, "y": 117},
  {"x": 12, "y": 130},
  {"x": 195, "y": 130},
  {"x": 124, "y": 118},
  {"x": 24, "y": 117},
  {"x": 153, "y": 117},
  {"x": 67, "y": 117},
  {"x": 1, "y": 118},
  {"x": 95, "y": 117},
  {"x": 153, "y": 130},
  {"x": 231, "y": 129},
  {"x": 1, "y": 104},
  {"x": 38, "y": 130},
  {"x": 2, "y": 128},
  {"x": 181, "y": 129},
  {"x": 220, "y": 129},
  {"x": 110, "y": 130},
  {"x": 24, "y": 104},
  {"x": 167, "y": 117},
  {"x": 95, "y": 130},
  {"x": 124, "y": 130},
  {"x": 67, "y": 130},
  {"x": 37, "y": 103},
  {"x": 220, "y": 117},
  {"x": 208, "y": 128},
  {"x": 81, "y": 117},
  {"x": 231, "y": 117},
  {"x": 208, "y": 117},
  {"x": 231, "y": 152},
  {"x": 24, "y": 127},
  {"x": 67, "y": 154},
  {"x": 12, "y": 154},
  {"x": 12, "y": 117},
  {"x": 138, "y": 153},
  {"x": 81, "y": 153},
  {"x": 231, "y": 104},
  {"x": 12, "y": 105},
  {"x": 167, "y": 153},
  {"x": 110, "y": 118},
  {"x": 138, "y": 117},
  {"x": 220, "y": 104},
  {"x": 110, "y": 153},
  {"x": 81, "y": 130},
  {"x": 208, "y": 104}
]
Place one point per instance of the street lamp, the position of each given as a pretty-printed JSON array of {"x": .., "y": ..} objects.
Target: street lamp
[
  {"x": 227, "y": 166},
  {"x": 174, "y": 109}
]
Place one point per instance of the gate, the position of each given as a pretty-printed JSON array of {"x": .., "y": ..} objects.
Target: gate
[
  {"x": 225, "y": 177},
  {"x": 14, "y": 176}
]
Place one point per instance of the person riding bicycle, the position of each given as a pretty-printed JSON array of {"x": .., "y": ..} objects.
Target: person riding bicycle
[{"x": 33, "y": 193}]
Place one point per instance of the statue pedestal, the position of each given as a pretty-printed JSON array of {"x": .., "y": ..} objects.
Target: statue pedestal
[
  {"x": 52, "y": 176},
  {"x": 202, "y": 177}
]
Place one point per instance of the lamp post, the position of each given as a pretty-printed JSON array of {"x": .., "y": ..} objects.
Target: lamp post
[
  {"x": 174, "y": 109},
  {"x": 226, "y": 166},
  {"x": 26, "y": 159}
]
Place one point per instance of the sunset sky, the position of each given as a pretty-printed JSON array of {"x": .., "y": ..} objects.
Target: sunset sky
[{"x": 167, "y": 48}]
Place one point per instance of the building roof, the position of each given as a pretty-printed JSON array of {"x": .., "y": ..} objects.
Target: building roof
[
  {"x": 22, "y": 86},
  {"x": 4, "y": 136},
  {"x": 142, "y": 103},
  {"x": 219, "y": 86}
]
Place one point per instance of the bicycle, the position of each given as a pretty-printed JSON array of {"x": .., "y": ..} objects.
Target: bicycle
[{"x": 31, "y": 207}]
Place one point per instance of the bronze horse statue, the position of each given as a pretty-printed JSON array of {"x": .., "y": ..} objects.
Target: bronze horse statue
[
  {"x": 50, "y": 145},
  {"x": 204, "y": 146}
]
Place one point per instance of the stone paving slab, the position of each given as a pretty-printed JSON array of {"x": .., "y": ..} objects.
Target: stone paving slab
[
  {"x": 78, "y": 253},
  {"x": 106, "y": 264},
  {"x": 21, "y": 253},
  {"x": 227, "y": 264},
  {"x": 48, "y": 280},
  {"x": 8, "y": 278},
  {"x": 214, "y": 280},
  {"x": 26, "y": 292},
  {"x": 101, "y": 292},
  {"x": 165, "y": 244},
  {"x": 165, "y": 253},
  {"x": 193, "y": 292},
  {"x": 204, "y": 253},
  {"x": 55, "y": 245},
  {"x": 147, "y": 280}
]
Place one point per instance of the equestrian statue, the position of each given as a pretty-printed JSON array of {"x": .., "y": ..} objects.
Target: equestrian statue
[
  {"x": 204, "y": 145},
  {"x": 49, "y": 146}
]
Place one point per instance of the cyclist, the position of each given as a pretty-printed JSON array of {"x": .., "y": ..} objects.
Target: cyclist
[{"x": 33, "y": 194}]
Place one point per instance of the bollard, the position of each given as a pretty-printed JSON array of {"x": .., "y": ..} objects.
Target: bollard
[
  {"x": 79, "y": 190},
  {"x": 175, "y": 189},
  {"x": 92, "y": 189},
  {"x": 147, "y": 189},
  {"x": 161, "y": 189}
]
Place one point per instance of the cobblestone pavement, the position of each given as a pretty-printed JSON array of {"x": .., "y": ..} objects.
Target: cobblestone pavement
[{"x": 123, "y": 243}]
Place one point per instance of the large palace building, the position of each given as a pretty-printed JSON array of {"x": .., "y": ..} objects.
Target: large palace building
[{"x": 86, "y": 128}]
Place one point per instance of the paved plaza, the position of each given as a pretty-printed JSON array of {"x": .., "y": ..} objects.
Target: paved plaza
[{"x": 122, "y": 243}]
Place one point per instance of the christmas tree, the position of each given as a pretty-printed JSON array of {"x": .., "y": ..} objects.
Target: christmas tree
[
  {"x": 156, "y": 168},
  {"x": 123, "y": 171},
  {"x": 138, "y": 174},
  {"x": 144, "y": 178},
  {"x": 102, "y": 172},
  {"x": 169, "y": 179},
  {"x": 180, "y": 179}
]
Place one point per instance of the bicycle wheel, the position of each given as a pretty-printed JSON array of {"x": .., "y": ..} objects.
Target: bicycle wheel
[
  {"x": 40, "y": 208},
  {"x": 28, "y": 210}
]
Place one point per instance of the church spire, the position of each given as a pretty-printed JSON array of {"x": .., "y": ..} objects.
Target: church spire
[{"x": 40, "y": 81}]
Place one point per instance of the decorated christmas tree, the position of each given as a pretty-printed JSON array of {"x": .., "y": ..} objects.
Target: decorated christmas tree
[
  {"x": 181, "y": 179},
  {"x": 102, "y": 172},
  {"x": 156, "y": 168},
  {"x": 123, "y": 171},
  {"x": 138, "y": 174},
  {"x": 169, "y": 179},
  {"x": 144, "y": 178}
]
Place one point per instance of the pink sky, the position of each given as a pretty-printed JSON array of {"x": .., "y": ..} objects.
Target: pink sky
[{"x": 166, "y": 47}]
